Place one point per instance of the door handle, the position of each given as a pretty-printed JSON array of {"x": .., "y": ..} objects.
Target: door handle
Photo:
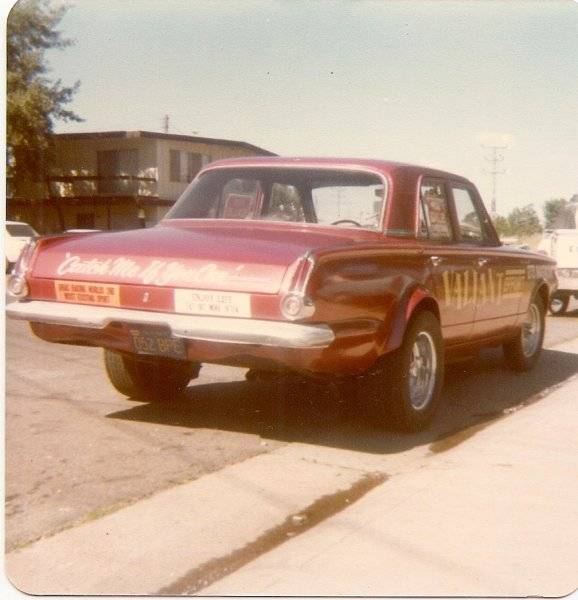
[
  {"x": 482, "y": 262},
  {"x": 436, "y": 260}
]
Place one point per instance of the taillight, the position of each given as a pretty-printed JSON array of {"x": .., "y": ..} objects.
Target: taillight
[
  {"x": 296, "y": 306},
  {"x": 16, "y": 284}
]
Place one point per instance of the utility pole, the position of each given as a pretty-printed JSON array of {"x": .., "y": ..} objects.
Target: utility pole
[
  {"x": 166, "y": 123},
  {"x": 495, "y": 159}
]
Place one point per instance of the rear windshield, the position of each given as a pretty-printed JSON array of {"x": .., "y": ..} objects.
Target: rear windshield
[
  {"x": 327, "y": 197},
  {"x": 20, "y": 230}
]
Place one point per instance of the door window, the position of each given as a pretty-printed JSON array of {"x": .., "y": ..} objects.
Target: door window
[
  {"x": 469, "y": 222},
  {"x": 435, "y": 221}
]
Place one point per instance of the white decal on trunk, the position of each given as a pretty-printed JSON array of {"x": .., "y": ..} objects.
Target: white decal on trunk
[
  {"x": 157, "y": 272},
  {"x": 202, "y": 302}
]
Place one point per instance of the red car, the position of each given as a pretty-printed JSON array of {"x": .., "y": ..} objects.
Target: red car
[{"x": 355, "y": 270}]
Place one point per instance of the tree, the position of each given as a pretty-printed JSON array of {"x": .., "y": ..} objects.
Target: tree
[
  {"x": 502, "y": 226},
  {"x": 524, "y": 221},
  {"x": 554, "y": 210},
  {"x": 560, "y": 213},
  {"x": 34, "y": 101}
]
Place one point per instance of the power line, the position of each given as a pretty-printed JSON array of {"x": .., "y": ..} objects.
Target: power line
[{"x": 495, "y": 159}]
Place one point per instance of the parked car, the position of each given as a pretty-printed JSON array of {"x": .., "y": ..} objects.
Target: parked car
[
  {"x": 18, "y": 234},
  {"x": 367, "y": 273}
]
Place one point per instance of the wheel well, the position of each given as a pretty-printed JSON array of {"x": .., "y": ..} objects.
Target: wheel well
[
  {"x": 427, "y": 304},
  {"x": 403, "y": 316},
  {"x": 543, "y": 293}
]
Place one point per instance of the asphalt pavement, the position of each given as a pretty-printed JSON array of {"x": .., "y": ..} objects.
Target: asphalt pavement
[{"x": 82, "y": 461}]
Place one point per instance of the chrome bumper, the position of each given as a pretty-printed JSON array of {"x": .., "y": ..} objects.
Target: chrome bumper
[{"x": 191, "y": 327}]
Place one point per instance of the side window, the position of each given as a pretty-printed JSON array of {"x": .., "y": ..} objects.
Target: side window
[
  {"x": 435, "y": 221},
  {"x": 469, "y": 222}
]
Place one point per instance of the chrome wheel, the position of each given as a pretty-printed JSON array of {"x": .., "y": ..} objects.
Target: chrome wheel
[
  {"x": 559, "y": 303},
  {"x": 422, "y": 370},
  {"x": 531, "y": 331}
]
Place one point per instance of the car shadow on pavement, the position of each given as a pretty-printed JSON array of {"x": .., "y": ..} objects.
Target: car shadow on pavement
[{"x": 476, "y": 394}]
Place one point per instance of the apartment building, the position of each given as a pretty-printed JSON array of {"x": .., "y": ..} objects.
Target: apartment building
[{"x": 118, "y": 179}]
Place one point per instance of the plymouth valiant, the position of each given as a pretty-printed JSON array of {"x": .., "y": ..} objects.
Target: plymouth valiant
[{"x": 356, "y": 271}]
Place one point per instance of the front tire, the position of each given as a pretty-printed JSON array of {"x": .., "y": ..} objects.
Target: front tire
[
  {"x": 153, "y": 379},
  {"x": 404, "y": 389},
  {"x": 523, "y": 351},
  {"x": 559, "y": 303}
]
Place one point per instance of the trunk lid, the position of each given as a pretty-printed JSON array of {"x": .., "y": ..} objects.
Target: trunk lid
[{"x": 213, "y": 255}]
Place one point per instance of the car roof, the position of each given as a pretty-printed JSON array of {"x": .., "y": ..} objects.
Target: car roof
[{"x": 384, "y": 166}]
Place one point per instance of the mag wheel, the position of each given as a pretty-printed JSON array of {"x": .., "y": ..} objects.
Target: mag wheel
[
  {"x": 559, "y": 303},
  {"x": 152, "y": 379},
  {"x": 404, "y": 389},
  {"x": 522, "y": 352}
]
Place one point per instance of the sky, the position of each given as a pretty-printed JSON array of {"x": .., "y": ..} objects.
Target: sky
[{"x": 415, "y": 81}]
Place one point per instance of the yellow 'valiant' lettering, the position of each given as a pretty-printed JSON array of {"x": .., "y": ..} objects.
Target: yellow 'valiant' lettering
[
  {"x": 483, "y": 288},
  {"x": 457, "y": 291},
  {"x": 500, "y": 286},
  {"x": 447, "y": 287},
  {"x": 492, "y": 288}
]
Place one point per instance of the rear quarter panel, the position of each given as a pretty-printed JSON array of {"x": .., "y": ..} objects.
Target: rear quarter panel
[{"x": 373, "y": 286}]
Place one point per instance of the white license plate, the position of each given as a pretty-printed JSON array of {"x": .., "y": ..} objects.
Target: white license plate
[{"x": 205, "y": 302}]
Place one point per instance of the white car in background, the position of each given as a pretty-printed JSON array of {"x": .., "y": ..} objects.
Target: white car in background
[{"x": 17, "y": 235}]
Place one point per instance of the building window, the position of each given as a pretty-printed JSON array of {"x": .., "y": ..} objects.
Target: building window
[
  {"x": 112, "y": 166},
  {"x": 194, "y": 164},
  {"x": 175, "y": 166}
]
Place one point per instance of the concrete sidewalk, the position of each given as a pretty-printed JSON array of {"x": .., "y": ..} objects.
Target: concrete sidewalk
[{"x": 494, "y": 516}]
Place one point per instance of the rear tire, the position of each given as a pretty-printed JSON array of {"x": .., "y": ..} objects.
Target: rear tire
[
  {"x": 559, "y": 303},
  {"x": 403, "y": 390},
  {"x": 153, "y": 379},
  {"x": 523, "y": 351}
]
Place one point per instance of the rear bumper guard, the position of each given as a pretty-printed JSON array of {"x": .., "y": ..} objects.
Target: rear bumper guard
[{"x": 191, "y": 327}]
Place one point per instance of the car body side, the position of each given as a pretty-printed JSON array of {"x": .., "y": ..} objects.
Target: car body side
[{"x": 367, "y": 288}]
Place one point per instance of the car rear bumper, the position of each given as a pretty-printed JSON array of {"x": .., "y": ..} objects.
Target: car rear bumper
[{"x": 190, "y": 327}]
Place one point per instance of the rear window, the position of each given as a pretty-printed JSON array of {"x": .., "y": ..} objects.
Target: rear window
[
  {"x": 20, "y": 230},
  {"x": 324, "y": 196}
]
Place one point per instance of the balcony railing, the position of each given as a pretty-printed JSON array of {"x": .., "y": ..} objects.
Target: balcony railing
[{"x": 100, "y": 185}]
